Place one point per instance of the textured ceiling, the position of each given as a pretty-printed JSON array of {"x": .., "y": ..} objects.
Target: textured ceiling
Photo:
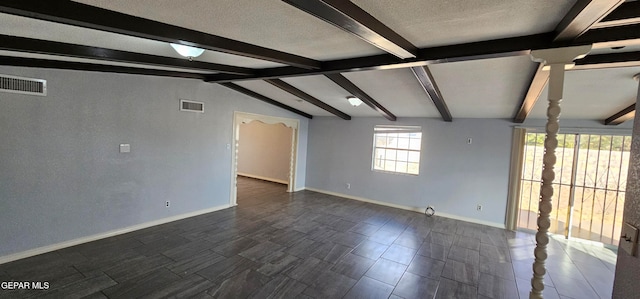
[
  {"x": 490, "y": 88},
  {"x": 268, "y": 23},
  {"x": 593, "y": 94},
  {"x": 325, "y": 90},
  {"x": 397, "y": 90},
  {"x": 32, "y": 28},
  {"x": 281, "y": 96},
  {"x": 428, "y": 23},
  {"x": 275, "y": 24}
]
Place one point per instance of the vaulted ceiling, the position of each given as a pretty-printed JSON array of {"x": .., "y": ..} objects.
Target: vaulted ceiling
[{"x": 411, "y": 58}]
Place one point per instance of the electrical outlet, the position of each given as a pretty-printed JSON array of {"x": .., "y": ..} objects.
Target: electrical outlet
[
  {"x": 479, "y": 208},
  {"x": 348, "y": 186},
  {"x": 167, "y": 204}
]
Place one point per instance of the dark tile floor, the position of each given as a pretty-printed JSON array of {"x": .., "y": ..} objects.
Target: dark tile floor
[{"x": 311, "y": 245}]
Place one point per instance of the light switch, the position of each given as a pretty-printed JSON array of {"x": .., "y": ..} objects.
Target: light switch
[
  {"x": 629, "y": 239},
  {"x": 125, "y": 148}
]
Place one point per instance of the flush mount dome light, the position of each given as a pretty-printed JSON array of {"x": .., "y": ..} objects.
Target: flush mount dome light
[
  {"x": 187, "y": 51},
  {"x": 355, "y": 102}
]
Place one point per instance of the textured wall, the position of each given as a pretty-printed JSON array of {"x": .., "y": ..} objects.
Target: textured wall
[
  {"x": 62, "y": 177},
  {"x": 265, "y": 150},
  {"x": 628, "y": 267},
  {"x": 454, "y": 176}
]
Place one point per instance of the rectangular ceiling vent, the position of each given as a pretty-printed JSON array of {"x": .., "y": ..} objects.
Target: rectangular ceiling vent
[
  {"x": 191, "y": 106},
  {"x": 21, "y": 85}
]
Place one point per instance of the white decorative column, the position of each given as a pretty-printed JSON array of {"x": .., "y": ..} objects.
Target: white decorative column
[{"x": 556, "y": 59}]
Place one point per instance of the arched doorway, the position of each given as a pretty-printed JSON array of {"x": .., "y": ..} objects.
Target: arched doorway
[{"x": 244, "y": 118}]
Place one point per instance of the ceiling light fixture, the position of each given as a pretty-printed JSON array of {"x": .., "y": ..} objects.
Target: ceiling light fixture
[
  {"x": 355, "y": 102},
  {"x": 187, "y": 51}
]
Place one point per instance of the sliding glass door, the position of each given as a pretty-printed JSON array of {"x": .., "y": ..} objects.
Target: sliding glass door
[{"x": 589, "y": 186}]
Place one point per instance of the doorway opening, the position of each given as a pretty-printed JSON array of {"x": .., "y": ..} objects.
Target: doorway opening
[
  {"x": 288, "y": 178},
  {"x": 589, "y": 186}
]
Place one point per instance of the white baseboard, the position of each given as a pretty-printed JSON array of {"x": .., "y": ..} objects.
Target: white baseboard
[
  {"x": 263, "y": 178},
  {"x": 472, "y": 220},
  {"x": 408, "y": 208},
  {"x": 53, "y": 247}
]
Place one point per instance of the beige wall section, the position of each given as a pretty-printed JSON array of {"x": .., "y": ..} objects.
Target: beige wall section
[
  {"x": 264, "y": 151},
  {"x": 627, "y": 280}
]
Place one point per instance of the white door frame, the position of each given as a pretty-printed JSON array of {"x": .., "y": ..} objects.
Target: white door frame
[{"x": 245, "y": 118}]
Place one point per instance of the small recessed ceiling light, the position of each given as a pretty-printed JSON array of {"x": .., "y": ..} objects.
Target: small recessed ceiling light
[
  {"x": 187, "y": 51},
  {"x": 355, "y": 102}
]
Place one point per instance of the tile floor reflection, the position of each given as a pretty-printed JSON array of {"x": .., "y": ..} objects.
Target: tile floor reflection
[{"x": 309, "y": 245}]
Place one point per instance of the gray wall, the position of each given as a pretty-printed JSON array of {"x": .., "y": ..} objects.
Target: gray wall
[
  {"x": 454, "y": 176},
  {"x": 62, "y": 177},
  {"x": 264, "y": 151},
  {"x": 628, "y": 267}
]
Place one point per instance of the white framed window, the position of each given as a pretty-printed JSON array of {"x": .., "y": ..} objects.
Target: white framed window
[{"x": 397, "y": 149}]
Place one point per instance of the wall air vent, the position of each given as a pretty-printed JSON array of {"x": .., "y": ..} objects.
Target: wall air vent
[
  {"x": 191, "y": 106},
  {"x": 21, "y": 85}
]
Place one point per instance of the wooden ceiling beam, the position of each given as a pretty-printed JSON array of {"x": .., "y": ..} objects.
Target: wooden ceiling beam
[
  {"x": 307, "y": 97},
  {"x": 539, "y": 81},
  {"x": 627, "y": 13},
  {"x": 357, "y": 92},
  {"x": 610, "y": 60},
  {"x": 93, "y": 67},
  {"x": 83, "y": 15},
  {"x": 507, "y": 47},
  {"x": 353, "y": 19},
  {"x": 428, "y": 84},
  {"x": 580, "y": 19},
  {"x": 265, "y": 99},
  {"x": 610, "y": 35},
  {"x": 590, "y": 62},
  {"x": 621, "y": 116},
  {"x": 583, "y": 16},
  {"x": 29, "y": 45}
]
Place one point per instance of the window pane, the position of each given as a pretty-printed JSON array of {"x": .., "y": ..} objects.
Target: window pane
[
  {"x": 390, "y": 154},
  {"x": 381, "y": 140},
  {"x": 403, "y": 143},
  {"x": 414, "y": 144},
  {"x": 414, "y": 157},
  {"x": 397, "y": 149},
  {"x": 392, "y": 140},
  {"x": 413, "y": 168},
  {"x": 389, "y": 165},
  {"x": 379, "y": 154},
  {"x": 378, "y": 164},
  {"x": 402, "y": 155}
]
